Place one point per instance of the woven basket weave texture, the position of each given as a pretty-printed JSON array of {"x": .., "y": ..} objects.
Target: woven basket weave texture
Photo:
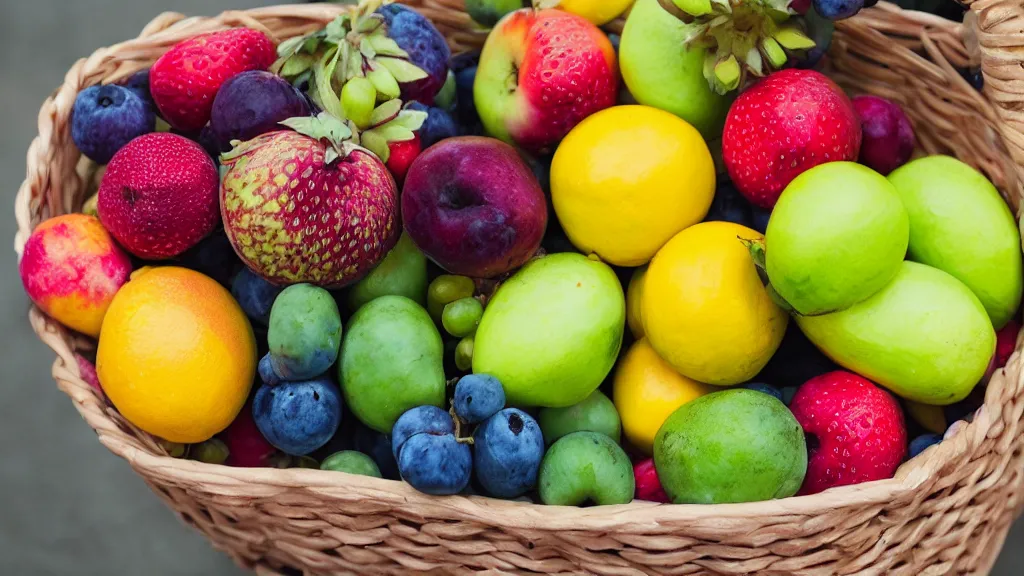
[{"x": 945, "y": 512}]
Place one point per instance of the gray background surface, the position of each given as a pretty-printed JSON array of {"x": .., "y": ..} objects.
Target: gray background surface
[{"x": 68, "y": 506}]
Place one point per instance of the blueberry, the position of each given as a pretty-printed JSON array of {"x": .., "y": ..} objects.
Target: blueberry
[
  {"x": 730, "y": 206},
  {"x": 427, "y": 49},
  {"x": 820, "y": 30},
  {"x": 255, "y": 295},
  {"x": 478, "y": 397},
  {"x": 615, "y": 39},
  {"x": 253, "y": 103},
  {"x": 214, "y": 257},
  {"x": 377, "y": 446},
  {"x": 508, "y": 448},
  {"x": 922, "y": 443},
  {"x": 974, "y": 77},
  {"x": 438, "y": 125},
  {"x": 436, "y": 464},
  {"x": 419, "y": 420},
  {"x": 788, "y": 393},
  {"x": 466, "y": 107},
  {"x": 139, "y": 83},
  {"x": 298, "y": 417},
  {"x": 838, "y": 9},
  {"x": 105, "y": 118},
  {"x": 766, "y": 388}
]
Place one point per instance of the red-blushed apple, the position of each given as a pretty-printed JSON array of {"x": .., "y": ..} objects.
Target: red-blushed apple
[
  {"x": 855, "y": 431},
  {"x": 472, "y": 205},
  {"x": 540, "y": 74}
]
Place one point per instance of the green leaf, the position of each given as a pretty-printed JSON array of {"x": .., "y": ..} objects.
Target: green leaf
[
  {"x": 793, "y": 39},
  {"x": 323, "y": 72},
  {"x": 403, "y": 70},
  {"x": 773, "y": 52},
  {"x": 369, "y": 24},
  {"x": 386, "y": 112},
  {"x": 324, "y": 127},
  {"x": 386, "y": 46},
  {"x": 337, "y": 29},
  {"x": 375, "y": 143},
  {"x": 366, "y": 48},
  {"x": 546, "y": 4},
  {"x": 410, "y": 119},
  {"x": 694, "y": 7},
  {"x": 296, "y": 65},
  {"x": 312, "y": 43},
  {"x": 754, "y": 62},
  {"x": 383, "y": 80},
  {"x": 727, "y": 75},
  {"x": 355, "y": 66},
  {"x": 290, "y": 46},
  {"x": 392, "y": 132}
]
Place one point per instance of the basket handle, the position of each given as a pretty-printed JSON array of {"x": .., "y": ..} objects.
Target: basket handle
[{"x": 994, "y": 34}]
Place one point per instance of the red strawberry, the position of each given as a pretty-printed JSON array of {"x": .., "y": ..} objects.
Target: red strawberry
[
  {"x": 1006, "y": 341},
  {"x": 401, "y": 157},
  {"x": 784, "y": 125},
  {"x": 185, "y": 80},
  {"x": 855, "y": 431},
  {"x": 158, "y": 197},
  {"x": 648, "y": 486}
]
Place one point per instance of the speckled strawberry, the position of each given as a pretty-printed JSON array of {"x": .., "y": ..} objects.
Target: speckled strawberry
[
  {"x": 185, "y": 80},
  {"x": 784, "y": 125},
  {"x": 308, "y": 206}
]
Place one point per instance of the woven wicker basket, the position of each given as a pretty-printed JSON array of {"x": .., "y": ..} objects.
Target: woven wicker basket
[{"x": 945, "y": 512}]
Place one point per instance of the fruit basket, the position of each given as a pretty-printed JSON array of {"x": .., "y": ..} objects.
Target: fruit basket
[{"x": 947, "y": 511}]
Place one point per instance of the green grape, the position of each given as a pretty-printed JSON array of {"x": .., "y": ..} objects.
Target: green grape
[
  {"x": 446, "y": 289},
  {"x": 213, "y": 451},
  {"x": 464, "y": 354},
  {"x": 445, "y": 99},
  {"x": 358, "y": 98},
  {"x": 174, "y": 449},
  {"x": 384, "y": 82},
  {"x": 460, "y": 318}
]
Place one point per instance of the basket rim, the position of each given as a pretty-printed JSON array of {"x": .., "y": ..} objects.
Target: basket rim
[{"x": 256, "y": 483}]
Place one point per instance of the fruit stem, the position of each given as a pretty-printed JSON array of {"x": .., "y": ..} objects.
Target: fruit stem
[{"x": 458, "y": 426}]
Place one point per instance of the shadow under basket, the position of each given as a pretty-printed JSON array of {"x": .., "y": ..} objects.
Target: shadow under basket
[{"x": 945, "y": 512}]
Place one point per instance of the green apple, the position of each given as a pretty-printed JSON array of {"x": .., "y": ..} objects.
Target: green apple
[
  {"x": 392, "y": 360},
  {"x": 960, "y": 224},
  {"x": 837, "y": 235},
  {"x": 352, "y": 462},
  {"x": 732, "y": 446},
  {"x": 925, "y": 336},
  {"x": 661, "y": 72},
  {"x": 403, "y": 272},
  {"x": 585, "y": 467},
  {"x": 596, "y": 413},
  {"x": 552, "y": 331}
]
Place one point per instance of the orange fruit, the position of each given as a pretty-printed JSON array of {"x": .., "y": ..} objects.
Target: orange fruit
[
  {"x": 646, "y": 391},
  {"x": 176, "y": 354}
]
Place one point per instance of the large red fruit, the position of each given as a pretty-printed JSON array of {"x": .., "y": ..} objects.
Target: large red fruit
[
  {"x": 1006, "y": 341},
  {"x": 648, "y": 486},
  {"x": 247, "y": 448},
  {"x": 791, "y": 121},
  {"x": 540, "y": 74},
  {"x": 295, "y": 214},
  {"x": 158, "y": 197},
  {"x": 185, "y": 80},
  {"x": 855, "y": 431}
]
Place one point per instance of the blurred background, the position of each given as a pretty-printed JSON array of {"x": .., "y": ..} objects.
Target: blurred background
[{"x": 68, "y": 506}]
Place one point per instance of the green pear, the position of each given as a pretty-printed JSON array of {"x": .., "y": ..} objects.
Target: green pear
[
  {"x": 392, "y": 360},
  {"x": 960, "y": 224},
  {"x": 661, "y": 72},
  {"x": 585, "y": 467},
  {"x": 595, "y": 413},
  {"x": 925, "y": 336},
  {"x": 403, "y": 272},
  {"x": 552, "y": 331}
]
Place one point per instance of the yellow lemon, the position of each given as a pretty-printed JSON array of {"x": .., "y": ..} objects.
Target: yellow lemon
[
  {"x": 646, "y": 391},
  {"x": 634, "y": 296},
  {"x": 705, "y": 309},
  {"x": 600, "y": 12},
  {"x": 176, "y": 354},
  {"x": 627, "y": 179}
]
